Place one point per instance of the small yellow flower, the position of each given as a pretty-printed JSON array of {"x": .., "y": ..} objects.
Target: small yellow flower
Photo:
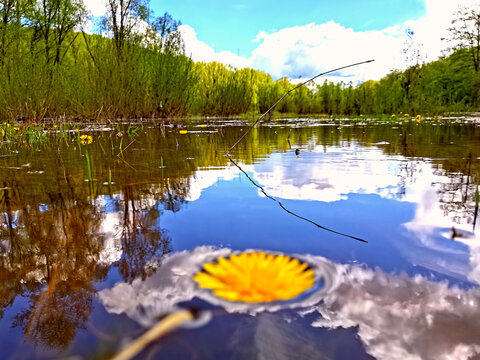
[
  {"x": 55, "y": 126},
  {"x": 406, "y": 114},
  {"x": 256, "y": 277},
  {"x": 393, "y": 115},
  {"x": 16, "y": 128},
  {"x": 2, "y": 132},
  {"x": 86, "y": 139},
  {"x": 183, "y": 132}
]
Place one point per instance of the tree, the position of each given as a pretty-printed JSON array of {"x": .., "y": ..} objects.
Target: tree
[
  {"x": 465, "y": 33},
  {"x": 123, "y": 18},
  {"x": 52, "y": 21}
]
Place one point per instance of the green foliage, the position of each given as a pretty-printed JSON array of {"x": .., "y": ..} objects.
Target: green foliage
[{"x": 50, "y": 70}]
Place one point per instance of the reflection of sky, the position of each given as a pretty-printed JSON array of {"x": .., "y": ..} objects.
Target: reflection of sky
[
  {"x": 430, "y": 311},
  {"x": 397, "y": 316},
  {"x": 391, "y": 201}
]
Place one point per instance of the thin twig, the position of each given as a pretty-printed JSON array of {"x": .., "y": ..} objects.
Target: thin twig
[
  {"x": 290, "y": 212},
  {"x": 284, "y": 95}
]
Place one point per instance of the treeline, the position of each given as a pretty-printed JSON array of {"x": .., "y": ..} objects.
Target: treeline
[{"x": 51, "y": 68}]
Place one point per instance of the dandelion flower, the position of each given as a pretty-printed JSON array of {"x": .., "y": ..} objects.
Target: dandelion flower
[
  {"x": 86, "y": 139},
  {"x": 256, "y": 277},
  {"x": 183, "y": 132}
]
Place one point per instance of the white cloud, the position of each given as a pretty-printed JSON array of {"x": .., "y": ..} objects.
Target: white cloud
[
  {"x": 95, "y": 7},
  {"x": 200, "y": 51},
  {"x": 307, "y": 50}
]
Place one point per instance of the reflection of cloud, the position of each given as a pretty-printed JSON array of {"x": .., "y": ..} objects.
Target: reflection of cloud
[
  {"x": 397, "y": 317},
  {"x": 404, "y": 318},
  {"x": 328, "y": 176},
  {"x": 432, "y": 248},
  {"x": 173, "y": 282},
  {"x": 203, "y": 179}
]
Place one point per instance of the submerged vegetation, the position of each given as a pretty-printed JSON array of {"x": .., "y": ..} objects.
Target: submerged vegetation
[{"x": 51, "y": 68}]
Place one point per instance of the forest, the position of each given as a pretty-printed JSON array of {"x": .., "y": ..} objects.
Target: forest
[{"x": 134, "y": 66}]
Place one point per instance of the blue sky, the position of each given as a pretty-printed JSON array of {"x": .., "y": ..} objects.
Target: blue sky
[
  {"x": 233, "y": 25},
  {"x": 299, "y": 39}
]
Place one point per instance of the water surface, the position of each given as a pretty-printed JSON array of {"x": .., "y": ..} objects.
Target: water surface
[{"x": 87, "y": 264}]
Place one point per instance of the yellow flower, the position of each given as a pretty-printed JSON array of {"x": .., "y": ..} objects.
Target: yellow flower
[
  {"x": 393, "y": 115},
  {"x": 86, "y": 139},
  {"x": 406, "y": 114},
  {"x": 256, "y": 277},
  {"x": 183, "y": 132},
  {"x": 16, "y": 128},
  {"x": 2, "y": 132}
]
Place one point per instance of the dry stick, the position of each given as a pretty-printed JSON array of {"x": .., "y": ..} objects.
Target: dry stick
[
  {"x": 167, "y": 324},
  {"x": 288, "y": 92},
  {"x": 290, "y": 212}
]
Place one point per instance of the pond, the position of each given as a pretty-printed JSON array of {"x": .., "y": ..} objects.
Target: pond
[{"x": 101, "y": 235}]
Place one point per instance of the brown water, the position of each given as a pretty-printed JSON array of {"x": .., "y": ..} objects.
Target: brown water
[{"x": 88, "y": 261}]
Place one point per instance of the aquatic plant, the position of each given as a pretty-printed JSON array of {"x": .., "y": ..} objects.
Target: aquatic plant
[{"x": 86, "y": 139}]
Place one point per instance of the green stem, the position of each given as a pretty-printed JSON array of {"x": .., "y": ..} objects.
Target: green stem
[{"x": 89, "y": 170}]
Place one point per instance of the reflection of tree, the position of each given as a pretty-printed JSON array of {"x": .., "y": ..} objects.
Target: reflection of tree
[
  {"x": 143, "y": 242},
  {"x": 56, "y": 313},
  {"x": 457, "y": 194},
  {"x": 56, "y": 244}
]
